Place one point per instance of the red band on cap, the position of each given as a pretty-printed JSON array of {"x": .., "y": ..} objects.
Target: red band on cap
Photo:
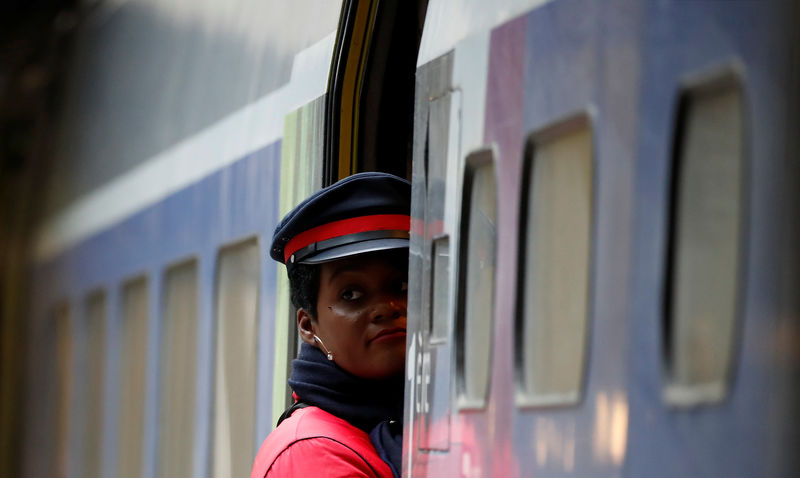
[{"x": 378, "y": 222}]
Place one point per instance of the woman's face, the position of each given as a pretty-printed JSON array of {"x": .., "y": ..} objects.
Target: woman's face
[{"x": 361, "y": 313}]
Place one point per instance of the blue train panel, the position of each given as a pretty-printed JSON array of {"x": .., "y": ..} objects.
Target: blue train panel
[{"x": 238, "y": 202}]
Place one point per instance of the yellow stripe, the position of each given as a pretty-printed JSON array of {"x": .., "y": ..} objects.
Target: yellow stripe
[{"x": 351, "y": 86}]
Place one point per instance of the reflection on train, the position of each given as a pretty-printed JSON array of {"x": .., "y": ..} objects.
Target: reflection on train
[{"x": 604, "y": 236}]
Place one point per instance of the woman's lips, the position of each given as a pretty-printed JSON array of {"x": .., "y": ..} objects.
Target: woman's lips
[{"x": 389, "y": 334}]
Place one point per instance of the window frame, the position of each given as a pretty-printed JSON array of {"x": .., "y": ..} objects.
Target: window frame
[
  {"x": 583, "y": 118},
  {"x": 717, "y": 78},
  {"x": 102, "y": 296},
  {"x": 122, "y": 316},
  {"x": 165, "y": 272},
  {"x": 437, "y": 243},
  {"x": 215, "y": 290},
  {"x": 62, "y": 318},
  {"x": 473, "y": 161}
]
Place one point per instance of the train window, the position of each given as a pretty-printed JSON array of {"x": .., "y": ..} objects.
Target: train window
[
  {"x": 235, "y": 370},
  {"x": 95, "y": 379},
  {"x": 705, "y": 246},
  {"x": 178, "y": 356},
  {"x": 476, "y": 280},
  {"x": 63, "y": 380},
  {"x": 440, "y": 289},
  {"x": 555, "y": 263},
  {"x": 134, "y": 313}
]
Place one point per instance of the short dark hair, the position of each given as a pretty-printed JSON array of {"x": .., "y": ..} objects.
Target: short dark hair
[{"x": 304, "y": 287}]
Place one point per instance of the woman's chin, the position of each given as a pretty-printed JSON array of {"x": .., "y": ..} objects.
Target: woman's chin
[{"x": 384, "y": 370}]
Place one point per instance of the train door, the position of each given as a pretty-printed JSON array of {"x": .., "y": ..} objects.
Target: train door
[
  {"x": 450, "y": 421},
  {"x": 362, "y": 123},
  {"x": 432, "y": 261},
  {"x": 369, "y": 104}
]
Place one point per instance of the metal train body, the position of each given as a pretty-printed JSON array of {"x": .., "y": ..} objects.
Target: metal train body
[{"x": 625, "y": 91}]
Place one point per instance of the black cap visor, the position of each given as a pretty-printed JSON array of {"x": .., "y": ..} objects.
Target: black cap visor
[{"x": 350, "y": 245}]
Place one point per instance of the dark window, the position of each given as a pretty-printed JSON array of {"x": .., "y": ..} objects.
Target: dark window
[
  {"x": 440, "y": 289},
  {"x": 705, "y": 266},
  {"x": 178, "y": 359},
  {"x": 133, "y": 352},
  {"x": 555, "y": 246},
  {"x": 235, "y": 372},
  {"x": 96, "y": 317},
  {"x": 64, "y": 378},
  {"x": 476, "y": 279}
]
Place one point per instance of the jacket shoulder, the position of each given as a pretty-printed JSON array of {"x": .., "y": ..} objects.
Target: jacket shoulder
[
  {"x": 320, "y": 457},
  {"x": 313, "y": 442}
]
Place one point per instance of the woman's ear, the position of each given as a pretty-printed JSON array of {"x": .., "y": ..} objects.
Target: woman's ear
[{"x": 305, "y": 327}]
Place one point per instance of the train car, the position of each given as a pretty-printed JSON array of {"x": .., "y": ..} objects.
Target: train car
[
  {"x": 606, "y": 197},
  {"x": 604, "y": 232},
  {"x": 159, "y": 325}
]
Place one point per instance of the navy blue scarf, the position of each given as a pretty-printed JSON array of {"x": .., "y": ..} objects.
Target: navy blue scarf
[{"x": 374, "y": 406}]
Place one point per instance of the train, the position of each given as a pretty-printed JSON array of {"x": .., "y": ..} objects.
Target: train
[{"x": 605, "y": 233}]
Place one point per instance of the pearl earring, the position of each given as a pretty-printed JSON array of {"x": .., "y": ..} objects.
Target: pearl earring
[{"x": 327, "y": 352}]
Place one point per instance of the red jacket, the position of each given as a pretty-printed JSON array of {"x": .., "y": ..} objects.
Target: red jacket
[{"x": 315, "y": 443}]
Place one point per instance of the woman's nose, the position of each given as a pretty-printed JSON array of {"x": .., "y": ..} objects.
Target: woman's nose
[{"x": 390, "y": 306}]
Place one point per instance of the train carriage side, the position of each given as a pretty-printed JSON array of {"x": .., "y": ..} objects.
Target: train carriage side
[
  {"x": 714, "y": 281},
  {"x": 606, "y": 241},
  {"x": 159, "y": 333}
]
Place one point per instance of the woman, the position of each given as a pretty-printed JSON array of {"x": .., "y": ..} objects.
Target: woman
[{"x": 346, "y": 253}]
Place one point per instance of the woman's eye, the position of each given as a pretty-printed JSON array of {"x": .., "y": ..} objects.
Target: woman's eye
[{"x": 351, "y": 294}]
